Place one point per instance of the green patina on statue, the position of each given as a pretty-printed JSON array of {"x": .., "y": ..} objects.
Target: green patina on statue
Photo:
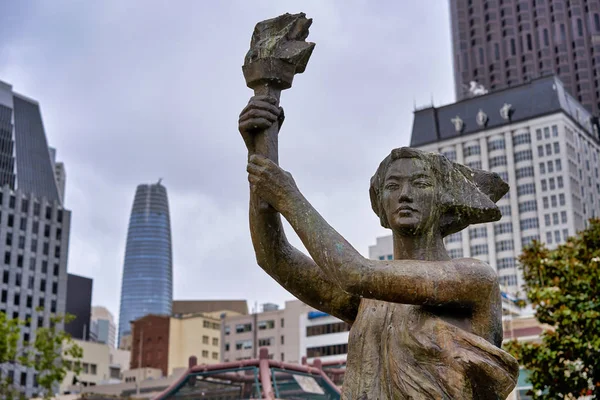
[{"x": 424, "y": 326}]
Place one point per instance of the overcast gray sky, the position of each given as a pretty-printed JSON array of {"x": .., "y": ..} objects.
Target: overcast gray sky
[{"x": 135, "y": 91}]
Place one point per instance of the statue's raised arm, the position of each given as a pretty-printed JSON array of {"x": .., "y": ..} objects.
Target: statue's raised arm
[{"x": 277, "y": 52}]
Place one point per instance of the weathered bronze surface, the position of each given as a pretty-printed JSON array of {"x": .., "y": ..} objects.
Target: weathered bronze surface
[{"x": 424, "y": 326}]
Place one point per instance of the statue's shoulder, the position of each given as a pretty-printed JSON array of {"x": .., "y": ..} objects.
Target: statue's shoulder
[{"x": 477, "y": 266}]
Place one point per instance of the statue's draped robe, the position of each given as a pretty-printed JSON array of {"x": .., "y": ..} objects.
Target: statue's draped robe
[{"x": 396, "y": 353}]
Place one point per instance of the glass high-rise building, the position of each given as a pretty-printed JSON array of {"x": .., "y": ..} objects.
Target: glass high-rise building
[{"x": 147, "y": 286}]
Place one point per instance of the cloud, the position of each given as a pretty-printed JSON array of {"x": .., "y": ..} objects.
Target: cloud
[{"x": 133, "y": 92}]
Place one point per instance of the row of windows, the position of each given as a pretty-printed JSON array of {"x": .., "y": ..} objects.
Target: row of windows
[
  {"x": 247, "y": 327},
  {"x": 548, "y": 148},
  {"x": 527, "y": 240},
  {"x": 36, "y": 207},
  {"x": 33, "y": 247},
  {"x": 28, "y": 301},
  {"x": 247, "y": 344},
  {"x": 477, "y": 232},
  {"x": 508, "y": 280},
  {"x": 529, "y": 223},
  {"x": 524, "y": 172},
  {"x": 508, "y": 262},
  {"x": 35, "y": 228},
  {"x": 550, "y": 167},
  {"x": 565, "y": 236},
  {"x": 551, "y": 183},
  {"x": 527, "y": 188},
  {"x": 326, "y": 329},
  {"x": 525, "y": 206},
  {"x": 205, "y": 340},
  {"x": 538, "y": 132},
  {"x": 553, "y": 219},
  {"x": 331, "y": 350},
  {"x": 523, "y": 155},
  {"x": 553, "y": 200}
]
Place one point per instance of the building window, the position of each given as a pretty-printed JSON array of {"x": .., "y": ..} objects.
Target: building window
[
  {"x": 530, "y": 205},
  {"x": 331, "y": 350},
  {"x": 455, "y": 253},
  {"x": 479, "y": 249},
  {"x": 504, "y": 263},
  {"x": 243, "y": 345},
  {"x": 479, "y": 232},
  {"x": 472, "y": 150},
  {"x": 227, "y": 330},
  {"x": 528, "y": 188},
  {"x": 529, "y": 223},
  {"x": 497, "y": 161},
  {"x": 504, "y": 245},
  {"x": 504, "y": 227},
  {"x": 524, "y": 172},
  {"x": 215, "y": 356},
  {"x": 264, "y": 341},
  {"x": 450, "y": 155},
  {"x": 262, "y": 325},
  {"x": 455, "y": 237},
  {"x": 226, "y": 346},
  {"x": 326, "y": 329},
  {"x": 496, "y": 144},
  {"x": 505, "y": 210},
  {"x": 527, "y": 240},
  {"x": 215, "y": 341},
  {"x": 241, "y": 328},
  {"x": 205, "y": 339},
  {"x": 521, "y": 138},
  {"x": 523, "y": 155},
  {"x": 204, "y": 353}
]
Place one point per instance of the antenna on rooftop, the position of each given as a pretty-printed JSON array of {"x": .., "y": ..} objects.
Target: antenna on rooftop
[{"x": 159, "y": 181}]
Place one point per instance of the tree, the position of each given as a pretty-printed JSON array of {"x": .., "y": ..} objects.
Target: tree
[
  {"x": 563, "y": 287},
  {"x": 52, "y": 353}
]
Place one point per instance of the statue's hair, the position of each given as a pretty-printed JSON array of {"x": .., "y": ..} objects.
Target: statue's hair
[{"x": 466, "y": 195}]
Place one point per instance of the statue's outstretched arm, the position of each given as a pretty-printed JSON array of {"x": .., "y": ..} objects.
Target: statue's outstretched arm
[{"x": 452, "y": 282}]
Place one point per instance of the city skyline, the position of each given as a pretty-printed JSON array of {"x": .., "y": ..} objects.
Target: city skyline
[{"x": 119, "y": 117}]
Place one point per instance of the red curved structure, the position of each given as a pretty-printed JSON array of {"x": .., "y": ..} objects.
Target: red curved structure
[{"x": 253, "y": 379}]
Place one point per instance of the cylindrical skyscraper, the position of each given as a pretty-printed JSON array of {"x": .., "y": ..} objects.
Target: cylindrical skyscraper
[{"x": 147, "y": 286}]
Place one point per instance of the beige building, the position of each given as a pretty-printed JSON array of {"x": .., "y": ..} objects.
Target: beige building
[
  {"x": 289, "y": 334},
  {"x": 195, "y": 335},
  {"x": 100, "y": 364}
]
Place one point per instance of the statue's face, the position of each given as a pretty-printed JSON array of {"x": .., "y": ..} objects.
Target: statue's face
[{"x": 409, "y": 195}]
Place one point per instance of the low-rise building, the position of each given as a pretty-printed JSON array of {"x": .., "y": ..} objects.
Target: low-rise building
[
  {"x": 166, "y": 343},
  {"x": 289, "y": 334},
  {"x": 100, "y": 364}
]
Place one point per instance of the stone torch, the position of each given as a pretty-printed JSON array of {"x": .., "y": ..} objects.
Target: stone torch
[{"x": 278, "y": 51}]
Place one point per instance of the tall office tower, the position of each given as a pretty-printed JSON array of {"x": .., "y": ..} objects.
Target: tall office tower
[
  {"x": 34, "y": 226},
  {"x": 147, "y": 286},
  {"x": 543, "y": 143},
  {"x": 79, "y": 304},
  {"x": 103, "y": 328},
  {"x": 503, "y": 43}
]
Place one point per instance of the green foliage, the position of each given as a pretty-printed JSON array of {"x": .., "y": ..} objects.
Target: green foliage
[
  {"x": 49, "y": 353},
  {"x": 563, "y": 286}
]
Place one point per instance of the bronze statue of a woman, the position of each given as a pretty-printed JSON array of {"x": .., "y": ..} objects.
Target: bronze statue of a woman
[{"x": 424, "y": 326}]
